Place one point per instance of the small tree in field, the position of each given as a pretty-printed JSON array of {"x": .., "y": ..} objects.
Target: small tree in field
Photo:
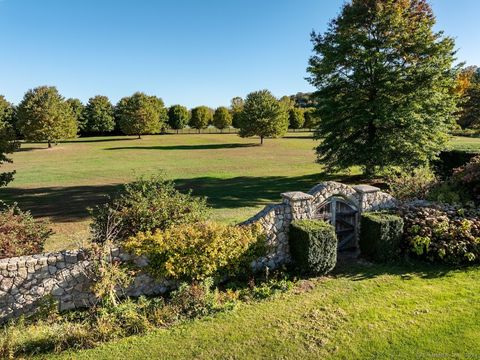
[
  {"x": 201, "y": 117},
  {"x": 8, "y": 144},
  {"x": 236, "y": 107},
  {"x": 222, "y": 118},
  {"x": 385, "y": 86},
  {"x": 44, "y": 115},
  {"x": 178, "y": 116},
  {"x": 296, "y": 118},
  {"x": 78, "y": 110},
  {"x": 99, "y": 117},
  {"x": 141, "y": 114},
  {"x": 264, "y": 116}
]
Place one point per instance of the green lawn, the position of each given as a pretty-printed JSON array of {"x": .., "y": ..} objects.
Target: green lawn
[
  {"x": 361, "y": 312},
  {"x": 238, "y": 176}
]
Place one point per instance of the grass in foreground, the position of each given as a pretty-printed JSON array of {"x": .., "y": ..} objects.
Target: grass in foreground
[
  {"x": 363, "y": 311},
  {"x": 238, "y": 176}
]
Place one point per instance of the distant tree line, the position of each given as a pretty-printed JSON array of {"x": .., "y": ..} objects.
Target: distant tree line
[{"x": 45, "y": 115}]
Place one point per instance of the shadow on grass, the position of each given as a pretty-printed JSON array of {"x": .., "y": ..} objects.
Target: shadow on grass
[
  {"x": 407, "y": 269},
  {"x": 185, "y": 147},
  {"x": 70, "y": 204}
]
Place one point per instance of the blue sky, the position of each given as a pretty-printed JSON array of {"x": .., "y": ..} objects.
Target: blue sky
[{"x": 190, "y": 52}]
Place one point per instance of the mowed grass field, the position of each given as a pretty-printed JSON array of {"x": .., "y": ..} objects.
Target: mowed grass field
[
  {"x": 361, "y": 311},
  {"x": 237, "y": 175}
]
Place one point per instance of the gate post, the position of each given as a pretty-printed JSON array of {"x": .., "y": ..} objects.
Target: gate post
[{"x": 299, "y": 205}]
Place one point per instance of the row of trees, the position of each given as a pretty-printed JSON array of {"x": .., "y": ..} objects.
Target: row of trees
[{"x": 45, "y": 115}]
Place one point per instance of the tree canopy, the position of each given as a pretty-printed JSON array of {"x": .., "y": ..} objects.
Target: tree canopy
[
  {"x": 178, "y": 117},
  {"x": 296, "y": 118},
  {"x": 385, "y": 84},
  {"x": 78, "y": 110},
  {"x": 99, "y": 116},
  {"x": 8, "y": 144},
  {"x": 44, "y": 115},
  {"x": 141, "y": 114},
  {"x": 264, "y": 116},
  {"x": 236, "y": 105},
  {"x": 201, "y": 117},
  {"x": 468, "y": 86},
  {"x": 311, "y": 118},
  {"x": 222, "y": 118}
]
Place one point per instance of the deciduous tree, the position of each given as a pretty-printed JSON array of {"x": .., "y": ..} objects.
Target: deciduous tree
[
  {"x": 141, "y": 114},
  {"x": 222, "y": 118},
  {"x": 201, "y": 117},
  {"x": 44, "y": 115},
  {"x": 8, "y": 144},
  {"x": 385, "y": 84},
  {"x": 99, "y": 117},
  {"x": 264, "y": 116},
  {"x": 178, "y": 117},
  {"x": 236, "y": 107},
  {"x": 296, "y": 118},
  {"x": 78, "y": 110},
  {"x": 469, "y": 87}
]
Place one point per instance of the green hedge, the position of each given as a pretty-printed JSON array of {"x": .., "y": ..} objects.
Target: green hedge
[
  {"x": 381, "y": 236},
  {"x": 449, "y": 160},
  {"x": 313, "y": 246}
]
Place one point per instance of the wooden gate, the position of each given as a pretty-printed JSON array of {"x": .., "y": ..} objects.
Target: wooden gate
[{"x": 343, "y": 216}]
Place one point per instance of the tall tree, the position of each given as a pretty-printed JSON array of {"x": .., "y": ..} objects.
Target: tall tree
[
  {"x": 44, "y": 115},
  {"x": 222, "y": 118},
  {"x": 385, "y": 85},
  {"x": 468, "y": 86},
  {"x": 201, "y": 117},
  {"x": 236, "y": 107},
  {"x": 264, "y": 116},
  {"x": 99, "y": 116},
  {"x": 78, "y": 110},
  {"x": 178, "y": 117},
  {"x": 8, "y": 144},
  {"x": 141, "y": 114},
  {"x": 296, "y": 118}
]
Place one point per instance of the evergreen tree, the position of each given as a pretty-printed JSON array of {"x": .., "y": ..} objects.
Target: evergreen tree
[{"x": 385, "y": 85}]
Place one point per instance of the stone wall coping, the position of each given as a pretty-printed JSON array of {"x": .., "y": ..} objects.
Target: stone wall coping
[
  {"x": 296, "y": 196},
  {"x": 366, "y": 188}
]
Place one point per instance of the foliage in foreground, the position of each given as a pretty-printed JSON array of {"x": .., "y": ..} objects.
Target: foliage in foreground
[
  {"x": 51, "y": 332},
  {"x": 20, "y": 233},
  {"x": 446, "y": 234},
  {"x": 200, "y": 250},
  {"x": 386, "y": 82},
  {"x": 145, "y": 205}
]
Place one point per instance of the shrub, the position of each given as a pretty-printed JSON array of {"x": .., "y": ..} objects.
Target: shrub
[
  {"x": 468, "y": 177},
  {"x": 145, "y": 205},
  {"x": 313, "y": 246},
  {"x": 20, "y": 233},
  {"x": 381, "y": 236},
  {"x": 449, "y": 160},
  {"x": 446, "y": 234},
  {"x": 200, "y": 250},
  {"x": 416, "y": 184}
]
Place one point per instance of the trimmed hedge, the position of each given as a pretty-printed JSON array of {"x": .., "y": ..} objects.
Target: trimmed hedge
[
  {"x": 381, "y": 236},
  {"x": 452, "y": 159},
  {"x": 313, "y": 246}
]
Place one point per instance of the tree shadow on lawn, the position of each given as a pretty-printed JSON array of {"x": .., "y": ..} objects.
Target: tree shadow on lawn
[
  {"x": 185, "y": 147},
  {"x": 71, "y": 203},
  {"x": 360, "y": 269}
]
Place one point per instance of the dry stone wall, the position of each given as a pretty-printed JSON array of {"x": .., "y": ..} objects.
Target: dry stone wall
[{"x": 25, "y": 282}]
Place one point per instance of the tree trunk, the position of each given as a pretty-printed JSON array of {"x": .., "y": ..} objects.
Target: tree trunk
[
  {"x": 261, "y": 140},
  {"x": 49, "y": 144},
  {"x": 139, "y": 136}
]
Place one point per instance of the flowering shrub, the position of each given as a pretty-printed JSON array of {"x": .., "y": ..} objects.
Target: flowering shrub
[
  {"x": 468, "y": 176},
  {"x": 416, "y": 184},
  {"x": 445, "y": 234},
  {"x": 200, "y": 250},
  {"x": 20, "y": 233}
]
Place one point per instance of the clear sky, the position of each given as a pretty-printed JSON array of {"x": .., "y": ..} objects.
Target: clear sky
[{"x": 192, "y": 52}]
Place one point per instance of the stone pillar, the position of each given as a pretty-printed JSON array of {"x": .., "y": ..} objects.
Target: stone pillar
[
  {"x": 366, "y": 193},
  {"x": 299, "y": 205}
]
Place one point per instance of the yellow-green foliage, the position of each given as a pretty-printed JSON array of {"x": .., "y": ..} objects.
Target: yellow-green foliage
[{"x": 200, "y": 250}]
